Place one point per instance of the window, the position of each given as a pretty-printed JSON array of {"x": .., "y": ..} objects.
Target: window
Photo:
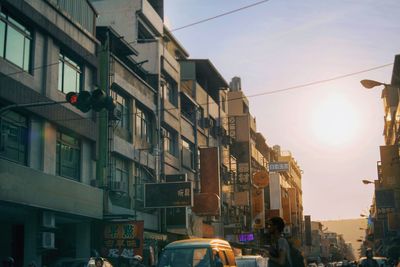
[
  {"x": 68, "y": 156},
  {"x": 120, "y": 177},
  {"x": 69, "y": 75},
  {"x": 200, "y": 117},
  {"x": 14, "y": 137},
  {"x": 144, "y": 33},
  {"x": 187, "y": 154},
  {"x": 223, "y": 102},
  {"x": 170, "y": 91},
  {"x": 170, "y": 142},
  {"x": 123, "y": 109},
  {"x": 15, "y": 42},
  {"x": 188, "y": 109},
  {"x": 142, "y": 176},
  {"x": 143, "y": 125},
  {"x": 214, "y": 128}
]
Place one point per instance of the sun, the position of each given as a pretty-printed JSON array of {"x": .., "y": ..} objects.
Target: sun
[{"x": 334, "y": 120}]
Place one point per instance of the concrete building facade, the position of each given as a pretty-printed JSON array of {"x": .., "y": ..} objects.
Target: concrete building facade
[{"x": 48, "y": 48}]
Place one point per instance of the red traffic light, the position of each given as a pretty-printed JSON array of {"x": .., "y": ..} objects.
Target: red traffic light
[
  {"x": 72, "y": 98},
  {"x": 85, "y": 101}
]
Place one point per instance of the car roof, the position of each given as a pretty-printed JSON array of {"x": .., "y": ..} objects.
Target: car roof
[
  {"x": 248, "y": 257},
  {"x": 198, "y": 242}
]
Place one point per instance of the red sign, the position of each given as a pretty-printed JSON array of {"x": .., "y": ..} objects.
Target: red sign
[{"x": 123, "y": 239}]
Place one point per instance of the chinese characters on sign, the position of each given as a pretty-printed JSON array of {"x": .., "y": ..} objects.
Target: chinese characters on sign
[
  {"x": 168, "y": 195},
  {"x": 243, "y": 173},
  {"x": 278, "y": 166},
  {"x": 123, "y": 239}
]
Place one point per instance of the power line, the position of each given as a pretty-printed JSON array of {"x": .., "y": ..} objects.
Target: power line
[
  {"x": 291, "y": 88},
  {"x": 218, "y": 16},
  {"x": 133, "y": 42}
]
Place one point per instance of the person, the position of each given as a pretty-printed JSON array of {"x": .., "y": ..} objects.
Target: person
[
  {"x": 137, "y": 261},
  {"x": 8, "y": 262},
  {"x": 98, "y": 262},
  {"x": 279, "y": 252},
  {"x": 217, "y": 259},
  {"x": 369, "y": 261}
]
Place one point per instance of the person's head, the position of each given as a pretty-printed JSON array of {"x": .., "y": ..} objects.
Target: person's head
[
  {"x": 138, "y": 258},
  {"x": 368, "y": 253},
  {"x": 98, "y": 262},
  {"x": 8, "y": 262},
  {"x": 276, "y": 224}
]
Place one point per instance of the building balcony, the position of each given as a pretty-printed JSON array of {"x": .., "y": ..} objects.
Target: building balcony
[{"x": 27, "y": 186}]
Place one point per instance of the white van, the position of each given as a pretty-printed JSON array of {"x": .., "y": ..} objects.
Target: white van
[{"x": 199, "y": 252}]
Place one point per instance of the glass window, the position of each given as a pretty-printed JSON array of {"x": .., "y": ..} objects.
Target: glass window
[
  {"x": 196, "y": 257},
  {"x": 187, "y": 154},
  {"x": 15, "y": 42},
  {"x": 68, "y": 156},
  {"x": 14, "y": 137},
  {"x": 200, "y": 117},
  {"x": 170, "y": 142},
  {"x": 170, "y": 90},
  {"x": 69, "y": 75},
  {"x": 143, "y": 125},
  {"x": 120, "y": 179},
  {"x": 142, "y": 176},
  {"x": 123, "y": 109}
]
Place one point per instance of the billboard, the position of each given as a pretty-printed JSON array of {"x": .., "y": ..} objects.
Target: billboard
[
  {"x": 209, "y": 170},
  {"x": 168, "y": 195},
  {"x": 257, "y": 208},
  {"x": 123, "y": 239},
  {"x": 207, "y": 204},
  {"x": 278, "y": 166}
]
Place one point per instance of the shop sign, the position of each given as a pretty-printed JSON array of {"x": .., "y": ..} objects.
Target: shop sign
[
  {"x": 123, "y": 239},
  {"x": 246, "y": 237},
  {"x": 278, "y": 166},
  {"x": 168, "y": 195}
]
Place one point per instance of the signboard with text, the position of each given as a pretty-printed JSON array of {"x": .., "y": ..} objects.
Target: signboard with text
[
  {"x": 168, "y": 195},
  {"x": 123, "y": 239},
  {"x": 278, "y": 166}
]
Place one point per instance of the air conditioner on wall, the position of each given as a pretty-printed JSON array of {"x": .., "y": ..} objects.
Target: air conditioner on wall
[{"x": 48, "y": 240}]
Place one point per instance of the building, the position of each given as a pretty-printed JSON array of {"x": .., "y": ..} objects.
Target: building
[
  {"x": 48, "y": 153},
  {"x": 292, "y": 199},
  {"x": 385, "y": 209}
]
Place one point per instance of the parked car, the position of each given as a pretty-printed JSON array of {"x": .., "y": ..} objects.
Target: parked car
[
  {"x": 199, "y": 252},
  {"x": 382, "y": 261},
  {"x": 251, "y": 261}
]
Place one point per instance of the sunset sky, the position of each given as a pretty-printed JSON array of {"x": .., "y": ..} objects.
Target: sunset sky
[{"x": 333, "y": 129}]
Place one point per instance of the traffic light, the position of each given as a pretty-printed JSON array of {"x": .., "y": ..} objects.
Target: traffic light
[
  {"x": 85, "y": 101},
  {"x": 100, "y": 100}
]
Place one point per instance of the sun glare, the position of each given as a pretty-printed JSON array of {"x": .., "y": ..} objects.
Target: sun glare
[{"x": 334, "y": 121}]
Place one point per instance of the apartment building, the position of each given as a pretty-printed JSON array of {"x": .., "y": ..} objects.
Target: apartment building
[{"x": 47, "y": 152}]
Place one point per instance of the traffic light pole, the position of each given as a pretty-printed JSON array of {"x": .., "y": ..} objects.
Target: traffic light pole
[{"x": 28, "y": 105}]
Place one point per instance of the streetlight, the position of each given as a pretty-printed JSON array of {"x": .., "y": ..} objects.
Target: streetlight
[
  {"x": 367, "y": 182},
  {"x": 369, "y": 84}
]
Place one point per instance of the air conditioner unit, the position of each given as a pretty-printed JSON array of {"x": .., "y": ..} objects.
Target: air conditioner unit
[
  {"x": 208, "y": 123},
  {"x": 48, "y": 219},
  {"x": 48, "y": 240}
]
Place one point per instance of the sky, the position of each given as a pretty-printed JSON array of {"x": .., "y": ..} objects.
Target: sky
[{"x": 333, "y": 129}]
